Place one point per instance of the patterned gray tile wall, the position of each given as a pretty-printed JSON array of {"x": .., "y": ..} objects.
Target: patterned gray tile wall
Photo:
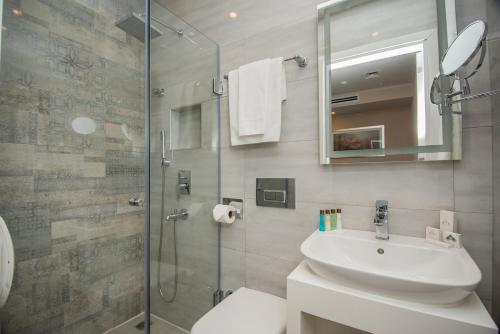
[
  {"x": 260, "y": 251},
  {"x": 79, "y": 247}
]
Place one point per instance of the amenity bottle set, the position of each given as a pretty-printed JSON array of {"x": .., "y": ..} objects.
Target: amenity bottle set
[{"x": 330, "y": 220}]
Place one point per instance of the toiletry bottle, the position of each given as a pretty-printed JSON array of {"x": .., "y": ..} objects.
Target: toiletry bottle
[
  {"x": 339, "y": 220},
  {"x": 328, "y": 225},
  {"x": 333, "y": 219},
  {"x": 321, "y": 220}
]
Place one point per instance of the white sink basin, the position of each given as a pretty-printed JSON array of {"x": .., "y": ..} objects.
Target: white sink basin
[{"x": 408, "y": 268}]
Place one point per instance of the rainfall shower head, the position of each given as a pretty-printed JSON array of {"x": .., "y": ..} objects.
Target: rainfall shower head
[{"x": 134, "y": 25}]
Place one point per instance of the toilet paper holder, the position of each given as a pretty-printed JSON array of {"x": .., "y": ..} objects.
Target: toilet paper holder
[{"x": 237, "y": 203}]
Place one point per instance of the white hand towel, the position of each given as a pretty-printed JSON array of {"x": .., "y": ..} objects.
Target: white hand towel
[
  {"x": 253, "y": 97},
  {"x": 272, "y": 127}
]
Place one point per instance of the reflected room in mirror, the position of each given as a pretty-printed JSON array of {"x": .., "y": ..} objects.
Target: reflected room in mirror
[{"x": 375, "y": 82}]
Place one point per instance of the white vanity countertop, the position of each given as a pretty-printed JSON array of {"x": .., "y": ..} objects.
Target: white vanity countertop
[{"x": 321, "y": 297}]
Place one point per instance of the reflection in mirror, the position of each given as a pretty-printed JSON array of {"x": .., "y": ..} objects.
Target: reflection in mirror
[{"x": 377, "y": 81}]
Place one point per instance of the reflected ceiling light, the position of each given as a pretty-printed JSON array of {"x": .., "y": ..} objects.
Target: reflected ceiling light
[
  {"x": 4, "y": 28},
  {"x": 84, "y": 125},
  {"x": 375, "y": 34},
  {"x": 343, "y": 82},
  {"x": 333, "y": 112},
  {"x": 372, "y": 75},
  {"x": 233, "y": 15},
  {"x": 17, "y": 12},
  {"x": 346, "y": 62}
]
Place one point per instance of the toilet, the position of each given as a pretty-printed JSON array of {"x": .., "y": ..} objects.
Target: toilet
[{"x": 246, "y": 311}]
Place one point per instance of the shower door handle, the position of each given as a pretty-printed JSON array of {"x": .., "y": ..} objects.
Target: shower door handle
[{"x": 164, "y": 160}]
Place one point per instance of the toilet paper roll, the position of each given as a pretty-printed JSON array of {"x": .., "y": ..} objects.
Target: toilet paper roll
[{"x": 225, "y": 214}]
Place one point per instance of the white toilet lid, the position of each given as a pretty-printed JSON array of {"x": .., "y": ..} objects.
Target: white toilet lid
[
  {"x": 6, "y": 262},
  {"x": 246, "y": 311}
]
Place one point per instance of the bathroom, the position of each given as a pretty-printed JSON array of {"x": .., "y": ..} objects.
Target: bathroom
[{"x": 130, "y": 203}]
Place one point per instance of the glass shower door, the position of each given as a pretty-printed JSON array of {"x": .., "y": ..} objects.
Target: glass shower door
[{"x": 184, "y": 184}]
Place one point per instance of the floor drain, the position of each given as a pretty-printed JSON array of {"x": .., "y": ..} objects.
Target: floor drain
[
  {"x": 380, "y": 251},
  {"x": 140, "y": 326}
]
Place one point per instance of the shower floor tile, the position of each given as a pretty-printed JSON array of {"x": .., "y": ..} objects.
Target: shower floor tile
[{"x": 158, "y": 326}]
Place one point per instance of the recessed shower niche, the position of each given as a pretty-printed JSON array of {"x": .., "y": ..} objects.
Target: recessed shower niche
[{"x": 185, "y": 127}]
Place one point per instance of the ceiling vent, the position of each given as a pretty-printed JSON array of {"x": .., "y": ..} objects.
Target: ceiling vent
[{"x": 345, "y": 99}]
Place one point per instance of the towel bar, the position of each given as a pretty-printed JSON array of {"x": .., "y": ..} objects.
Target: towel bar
[{"x": 300, "y": 60}]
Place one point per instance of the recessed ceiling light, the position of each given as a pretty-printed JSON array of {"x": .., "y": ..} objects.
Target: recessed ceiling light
[
  {"x": 375, "y": 34},
  {"x": 17, "y": 12},
  {"x": 343, "y": 82},
  {"x": 372, "y": 75},
  {"x": 333, "y": 112},
  {"x": 233, "y": 15}
]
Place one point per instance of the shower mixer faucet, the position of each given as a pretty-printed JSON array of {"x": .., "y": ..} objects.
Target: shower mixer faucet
[{"x": 177, "y": 215}]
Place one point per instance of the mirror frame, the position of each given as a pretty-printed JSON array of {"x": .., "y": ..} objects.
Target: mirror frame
[{"x": 451, "y": 147}]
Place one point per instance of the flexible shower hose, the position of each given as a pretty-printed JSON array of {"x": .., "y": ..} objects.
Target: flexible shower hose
[{"x": 160, "y": 248}]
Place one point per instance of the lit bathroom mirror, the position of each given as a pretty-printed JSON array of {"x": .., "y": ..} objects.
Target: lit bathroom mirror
[{"x": 376, "y": 78}]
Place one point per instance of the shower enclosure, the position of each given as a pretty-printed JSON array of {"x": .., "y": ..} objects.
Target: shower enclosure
[
  {"x": 78, "y": 137},
  {"x": 184, "y": 187}
]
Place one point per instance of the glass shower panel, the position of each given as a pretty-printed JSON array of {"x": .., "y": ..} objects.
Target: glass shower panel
[
  {"x": 184, "y": 257},
  {"x": 71, "y": 156}
]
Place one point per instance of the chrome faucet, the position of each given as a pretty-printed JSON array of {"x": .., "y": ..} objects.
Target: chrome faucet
[
  {"x": 177, "y": 214},
  {"x": 381, "y": 220}
]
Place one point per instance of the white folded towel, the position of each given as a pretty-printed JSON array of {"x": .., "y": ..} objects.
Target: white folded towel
[
  {"x": 255, "y": 81},
  {"x": 275, "y": 93}
]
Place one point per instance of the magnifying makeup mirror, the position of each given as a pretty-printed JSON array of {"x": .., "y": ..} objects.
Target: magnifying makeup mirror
[
  {"x": 463, "y": 51},
  {"x": 460, "y": 62}
]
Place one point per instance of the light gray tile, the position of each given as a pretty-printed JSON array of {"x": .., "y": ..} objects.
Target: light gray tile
[
  {"x": 469, "y": 11},
  {"x": 232, "y": 56},
  {"x": 233, "y": 269},
  {"x": 233, "y": 236},
  {"x": 473, "y": 174},
  {"x": 232, "y": 172},
  {"x": 267, "y": 274},
  {"x": 300, "y": 37},
  {"x": 477, "y": 236},
  {"x": 426, "y": 185},
  {"x": 212, "y": 18},
  {"x": 279, "y": 232},
  {"x": 477, "y": 113},
  {"x": 496, "y": 222},
  {"x": 412, "y": 223},
  {"x": 494, "y": 52},
  {"x": 300, "y": 111}
]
